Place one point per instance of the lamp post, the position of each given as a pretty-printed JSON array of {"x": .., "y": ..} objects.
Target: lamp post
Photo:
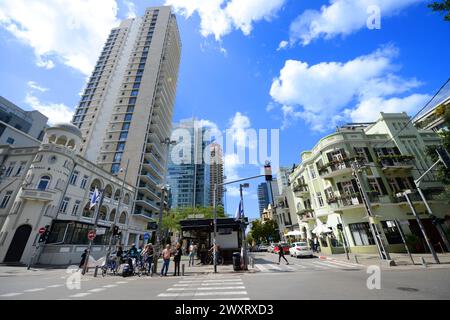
[{"x": 244, "y": 226}]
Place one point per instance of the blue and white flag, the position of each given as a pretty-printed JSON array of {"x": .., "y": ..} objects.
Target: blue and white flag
[
  {"x": 239, "y": 211},
  {"x": 94, "y": 198}
]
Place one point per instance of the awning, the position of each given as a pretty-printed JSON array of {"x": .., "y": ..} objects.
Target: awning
[
  {"x": 321, "y": 228},
  {"x": 294, "y": 233}
]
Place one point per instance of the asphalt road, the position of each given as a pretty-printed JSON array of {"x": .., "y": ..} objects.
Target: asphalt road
[{"x": 301, "y": 279}]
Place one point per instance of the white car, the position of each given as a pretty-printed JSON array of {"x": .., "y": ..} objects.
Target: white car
[{"x": 300, "y": 249}]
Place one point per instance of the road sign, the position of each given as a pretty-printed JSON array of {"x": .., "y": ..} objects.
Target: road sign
[
  {"x": 41, "y": 230},
  {"x": 91, "y": 235},
  {"x": 146, "y": 236},
  {"x": 100, "y": 231}
]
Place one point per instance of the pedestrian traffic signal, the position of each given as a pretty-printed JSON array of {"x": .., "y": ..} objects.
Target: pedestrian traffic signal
[
  {"x": 444, "y": 156},
  {"x": 339, "y": 226},
  {"x": 44, "y": 236},
  {"x": 268, "y": 171}
]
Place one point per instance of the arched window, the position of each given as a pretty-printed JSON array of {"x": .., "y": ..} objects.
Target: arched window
[
  {"x": 96, "y": 184},
  {"x": 112, "y": 215},
  {"x": 117, "y": 195},
  {"x": 103, "y": 212},
  {"x": 44, "y": 183},
  {"x": 108, "y": 191},
  {"x": 52, "y": 139},
  {"x": 126, "y": 199},
  {"x": 62, "y": 141},
  {"x": 87, "y": 212},
  {"x": 123, "y": 218},
  {"x": 71, "y": 144}
]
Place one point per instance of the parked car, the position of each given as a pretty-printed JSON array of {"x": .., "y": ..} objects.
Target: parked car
[
  {"x": 262, "y": 248},
  {"x": 270, "y": 248},
  {"x": 300, "y": 249},
  {"x": 285, "y": 247}
]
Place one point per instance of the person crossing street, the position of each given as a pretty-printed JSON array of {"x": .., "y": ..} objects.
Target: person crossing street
[{"x": 281, "y": 254}]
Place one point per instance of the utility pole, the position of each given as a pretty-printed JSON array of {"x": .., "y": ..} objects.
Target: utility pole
[
  {"x": 244, "y": 240},
  {"x": 397, "y": 223},
  {"x": 108, "y": 253},
  {"x": 215, "y": 227},
  {"x": 97, "y": 213},
  {"x": 384, "y": 254}
]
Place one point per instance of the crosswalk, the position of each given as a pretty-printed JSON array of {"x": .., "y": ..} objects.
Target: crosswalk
[
  {"x": 306, "y": 265},
  {"x": 217, "y": 288}
]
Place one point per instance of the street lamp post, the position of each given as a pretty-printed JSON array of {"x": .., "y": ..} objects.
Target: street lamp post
[{"x": 244, "y": 240}]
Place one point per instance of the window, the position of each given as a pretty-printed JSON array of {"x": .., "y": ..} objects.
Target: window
[
  {"x": 118, "y": 157},
  {"x": 43, "y": 183},
  {"x": 74, "y": 178},
  {"x": 320, "y": 199},
  {"x": 38, "y": 158},
  {"x": 128, "y": 117},
  {"x": 123, "y": 136},
  {"x": 115, "y": 168},
  {"x": 6, "y": 199},
  {"x": 75, "y": 208},
  {"x": 121, "y": 146},
  {"x": 10, "y": 140},
  {"x": 134, "y": 93},
  {"x": 126, "y": 126},
  {"x": 391, "y": 232},
  {"x": 136, "y": 86},
  {"x": 132, "y": 101},
  {"x": 64, "y": 204},
  {"x": 84, "y": 182},
  {"x": 130, "y": 109},
  {"x": 373, "y": 185},
  {"x": 361, "y": 234},
  {"x": 20, "y": 169}
]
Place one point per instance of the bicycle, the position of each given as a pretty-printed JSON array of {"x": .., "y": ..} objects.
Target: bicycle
[
  {"x": 110, "y": 265},
  {"x": 210, "y": 259}
]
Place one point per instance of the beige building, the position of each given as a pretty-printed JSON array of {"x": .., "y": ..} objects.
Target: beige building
[
  {"x": 51, "y": 185},
  {"x": 126, "y": 110},
  {"x": 216, "y": 173},
  {"x": 326, "y": 192}
]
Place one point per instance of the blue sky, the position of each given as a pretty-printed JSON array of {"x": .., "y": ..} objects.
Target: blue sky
[{"x": 330, "y": 68}]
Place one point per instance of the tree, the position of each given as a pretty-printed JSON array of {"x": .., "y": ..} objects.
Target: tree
[
  {"x": 442, "y": 173},
  {"x": 264, "y": 232},
  {"x": 443, "y": 7}
]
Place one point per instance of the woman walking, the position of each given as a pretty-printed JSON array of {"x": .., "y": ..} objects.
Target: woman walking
[
  {"x": 281, "y": 254},
  {"x": 166, "y": 260},
  {"x": 192, "y": 254},
  {"x": 177, "y": 259}
]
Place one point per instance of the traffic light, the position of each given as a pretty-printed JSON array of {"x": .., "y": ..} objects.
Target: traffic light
[
  {"x": 339, "y": 226},
  {"x": 268, "y": 171},
  {"x": 152, "y": 226},
  {"x": 44, "y": 237},
  {"x": 444, "y": 156}
]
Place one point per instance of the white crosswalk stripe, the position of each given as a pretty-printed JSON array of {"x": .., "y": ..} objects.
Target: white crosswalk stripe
[
  {"x": 305, "y": 265},
  {"x": 210, "y": 289}
]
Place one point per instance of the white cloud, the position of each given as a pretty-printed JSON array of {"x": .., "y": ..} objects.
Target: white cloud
[
  {"x": 72, "y": 32},
  {"x": 283, "y": 44},
  {"x": 320, "y": 93},
  {"x": 239, "y": 124},
  {"x": 55, "y": 112},
  {"x": 220, "y": 17},
  {"x": 341, "y": 17},
  {"x": 131, "y": 7},
  {"x": 33, "y": 85}
]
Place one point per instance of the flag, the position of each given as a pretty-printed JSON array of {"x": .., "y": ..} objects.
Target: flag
[
  {"x": 94, "y": 198},
  {"x": 239, "y": 211}
]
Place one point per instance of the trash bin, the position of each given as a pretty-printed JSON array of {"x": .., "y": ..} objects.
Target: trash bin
[{"x": 236, "y": 261}]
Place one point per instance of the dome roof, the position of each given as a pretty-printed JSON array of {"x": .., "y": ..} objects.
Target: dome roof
[{"x": 67, "y": 127}]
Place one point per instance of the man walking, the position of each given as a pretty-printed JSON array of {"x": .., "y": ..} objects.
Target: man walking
[
  {"x": 166, "y": 260},
  {"x": 192, "y": 254},
  {"x": 281, "y": 254}
]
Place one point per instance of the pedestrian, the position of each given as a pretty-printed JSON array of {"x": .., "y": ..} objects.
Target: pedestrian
[
  {"x": 166, "y": 260},
  {"x": 177, "y": 259},
  {"x": 192, "y": 253},
  {"x": 281, "y": 254},
  {"x": 83, "y": 259},
  {"x": 315, "y": 245}
]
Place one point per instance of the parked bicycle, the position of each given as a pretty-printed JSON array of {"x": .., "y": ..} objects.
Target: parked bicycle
[{"x": 210, "y": 259}]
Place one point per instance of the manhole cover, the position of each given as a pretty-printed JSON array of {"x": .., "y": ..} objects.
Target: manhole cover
[{"x": 408, "y": 289}]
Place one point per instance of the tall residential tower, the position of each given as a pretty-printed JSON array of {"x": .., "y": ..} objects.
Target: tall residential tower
[{"x": 126, "y": 109}]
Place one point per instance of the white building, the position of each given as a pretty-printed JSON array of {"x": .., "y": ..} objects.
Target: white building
[{"x": 51, "y": 185}]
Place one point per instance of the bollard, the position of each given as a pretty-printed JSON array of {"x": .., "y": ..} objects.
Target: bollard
[
  {"x": 182, "y": 269},
  {"x": 96, "y": 271},
  {"x": 253, "y": 263},
  {"x": 424, "y": 263},
  {"x": 356, "y": 259}
]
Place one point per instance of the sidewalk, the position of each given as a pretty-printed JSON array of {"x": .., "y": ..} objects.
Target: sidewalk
[{"x": 400, "y": 259}]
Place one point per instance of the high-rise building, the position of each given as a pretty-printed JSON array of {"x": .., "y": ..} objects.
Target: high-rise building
[
  {"x": 19, "y": 127},
  {"x": 189, "y": 169},
  {"x": 283, "y": 178},
  {"x": 263, "y": 197},
  {"x": 125, "y": 112},
  {"x": 216, "y": 173}
]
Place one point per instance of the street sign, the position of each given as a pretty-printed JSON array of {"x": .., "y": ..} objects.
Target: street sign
[
  {"x": 146, "y": 236},
  {"x": 91, "y": 235},
  {"x": 100, "y": 231},
  {"x": 41, "y": 230}
]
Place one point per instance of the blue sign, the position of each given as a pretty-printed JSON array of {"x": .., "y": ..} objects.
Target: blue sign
[{"x": 146, "y": 236}]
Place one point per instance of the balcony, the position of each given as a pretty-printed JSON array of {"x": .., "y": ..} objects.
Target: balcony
[
  {"x": 147, "y": 203},
  {"x": 149, "y": 192},
  {"x": 38, "y": 195},
  {"x": 301, "y": 190},
  {"x": 396, "y": 163},
  {"x": 148, "y": 165},
  {"x": 337, "y": 168},
  {"x": 306, "y": 214},
  {"x": 149, "y": 179},
  {"x": 350, "y": 201}
]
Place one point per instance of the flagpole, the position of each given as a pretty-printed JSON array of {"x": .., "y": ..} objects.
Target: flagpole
[{"x": 97, "y": 211}]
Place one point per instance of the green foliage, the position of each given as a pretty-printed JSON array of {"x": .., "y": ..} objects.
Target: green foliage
[
  {"x": 171, "y": 219},
  {"x": 261, "y": 232},
  {"x": 443, "y": 7}
]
